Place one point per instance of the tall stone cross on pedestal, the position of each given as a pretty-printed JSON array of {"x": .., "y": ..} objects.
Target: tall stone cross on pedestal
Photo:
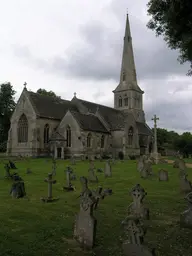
[{"x": 155, "y": 150}]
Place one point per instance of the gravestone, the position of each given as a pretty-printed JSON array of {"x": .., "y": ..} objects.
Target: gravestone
[
  {"x": 107, "y": 170},
  {"x": 134, "y": 241},
  {"x": 146, "y": 171},
  {"x": 54, "y": 167},
  {"x": 69, "y": 186},
  {"x": 12, "y": 165},
  {"x": 28, "y": 171},
  {"x": 163, "y": 175},
  {"x": 73, "y": 160},
  {"x": 18, "y": 187},
  {"x": 92, "y": 177},
  {"x": 91, "y": 164},
  {"x": 85, "y": 223},
  {"x": 185, "y": 184},
  {"x": 50, "y": 182},
  {"x": 137, "y": 208},
  {"x": 186, "y": 216},
  {"x": 140, "y": 164},
  {"x": 176, "y": 163},
  {"x": 97, "y": 194}
]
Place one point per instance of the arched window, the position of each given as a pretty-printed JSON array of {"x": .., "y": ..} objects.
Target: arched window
[
  {"x": 46, "y": 133},
  {"x": 22, "y": 129},
  {"x": 68, "y": 136},
  {"x": 120, "y": 101},
  {"x": 124, "y": 76},
  {"x": 89, "y": 140},
  {"x": 102, "y": 141},
  {"x": 126, "y": 101},
  {"x": 130, "y": 136}
]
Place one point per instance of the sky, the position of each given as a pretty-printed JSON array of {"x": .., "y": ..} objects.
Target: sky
[{"x": 76, "y": 46}]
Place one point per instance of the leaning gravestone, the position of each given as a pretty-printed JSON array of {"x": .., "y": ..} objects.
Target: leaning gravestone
[
  {"x": 185, "y": 184},
  {"x": 163, "y": 175},
  {"x": 137, "y": 208},
  {"x": 186, "y": 216},
  {"x": 50, "y": 182},
  {"x": 69, "y": 186},
  {"x": 92, "y": 177},
  {"x": 134, "y": 243},
  {"x": 107, "y": 170},
  {"x": 85, "y": 223},
  {"x": 18, "y": 187}
]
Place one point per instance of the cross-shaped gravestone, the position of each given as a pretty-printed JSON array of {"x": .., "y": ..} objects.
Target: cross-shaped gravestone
[
  {"x": 108, "y": 169},
  {"x": 50, "y": 182},
  {"x": 186, "y": 216},
  {"x": 137, "y": 208},
  {"x": 185, "y": 184},
  {"x": 92, "y": 177},
  {"x": 163, "y": 175},
  {"x": 133, "y": 245},
  {"x": 54, "y": 167},
  {"x": 85, "y": 223},
  {"x": 69, "y": 186}
]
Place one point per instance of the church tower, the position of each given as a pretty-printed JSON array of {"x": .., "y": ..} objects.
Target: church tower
[{"x": 128, "y": 96}]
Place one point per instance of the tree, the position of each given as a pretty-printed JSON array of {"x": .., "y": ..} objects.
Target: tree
[
  {"x": 7, "y": 106},
  {"x": 173, "y": 20},
  {"x": 47, "y": 93}
]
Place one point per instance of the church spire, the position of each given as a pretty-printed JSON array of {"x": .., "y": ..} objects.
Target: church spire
[{"x": 128, "y": 77}]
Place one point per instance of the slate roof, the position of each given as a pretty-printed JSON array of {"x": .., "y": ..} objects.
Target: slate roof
[
  {"x": 50, "y": 107},
  {"x": 89, "y": 122},
  {"x": 143, "y": 129},
  {"x": 114, "y": 118}
]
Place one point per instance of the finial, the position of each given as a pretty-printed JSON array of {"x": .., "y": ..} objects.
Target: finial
[
  {"x": 75, "y": 94},
  {"x": 25, "y": 84}
]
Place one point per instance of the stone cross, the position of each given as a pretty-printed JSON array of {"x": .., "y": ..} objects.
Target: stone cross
[
  {"x": 50, "y": 182},
  {"x": 85, "y": 223},
  {"x": 186, "y": 216},
  {"x": 137, "y": 208},
  {"x": 155, "y": 151}
]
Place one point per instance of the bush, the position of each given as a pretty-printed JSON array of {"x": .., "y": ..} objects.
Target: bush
[{"x": 121, "y": 155}]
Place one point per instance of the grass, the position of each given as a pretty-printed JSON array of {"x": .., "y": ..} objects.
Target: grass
[{"x": 32, "y": 228}]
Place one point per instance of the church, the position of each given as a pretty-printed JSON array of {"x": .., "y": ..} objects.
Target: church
[{"x": 47, "y": 126}]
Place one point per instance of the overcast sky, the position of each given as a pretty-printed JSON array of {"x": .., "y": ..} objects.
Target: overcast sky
[{"x": 76, "y": 46}]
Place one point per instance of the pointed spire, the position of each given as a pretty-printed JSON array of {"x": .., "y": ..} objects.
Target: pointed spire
[{"x": 128, "y": 77}]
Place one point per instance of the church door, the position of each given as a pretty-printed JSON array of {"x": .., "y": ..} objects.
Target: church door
[{"x": 58, "y": 152}]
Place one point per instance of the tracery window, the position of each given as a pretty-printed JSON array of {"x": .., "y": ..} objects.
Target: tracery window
[
  {"x": 46, "y": 133},
  {"x": 68, "y": 136},
  {"x": 22, "y": 129},
  {"x": 89, "y": 140}
]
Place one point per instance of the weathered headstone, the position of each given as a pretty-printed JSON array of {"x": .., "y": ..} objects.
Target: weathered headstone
[
  {"x": 146, "y": 171},
  {"x": 163, "y": 175},
  {"x": 134, "y": 243},
  {"x": 185, "y": 184},
  {"x": 140, "y": 164},
  {"x": 18, "y": 187},
  {"x": 85, "y": 223},
  {"x": 92, "y": 177},
  {"x": 50, "y": 182},
  {"x": 176, "y": 163},
  {"x": 137, "y": 208},
  {"x": 186, "y": 216},
  {"x": 28, "y": 171},
  {"x": 108, "y": 169},
  {"x": 69, "y": 186},
  {"x": 54, "y": 167}
]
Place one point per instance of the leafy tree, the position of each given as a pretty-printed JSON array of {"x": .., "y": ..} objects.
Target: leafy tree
[
  {"x": 173, "y": 20},
  {"x": 47, "y": 93},
  {"x": 7, "y": 106}
]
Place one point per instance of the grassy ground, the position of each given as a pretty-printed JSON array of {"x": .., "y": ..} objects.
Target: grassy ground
[{"x": 32, "y": 228}]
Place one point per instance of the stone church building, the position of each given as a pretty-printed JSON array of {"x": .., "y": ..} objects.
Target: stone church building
[{"x": 46, "y": 126}]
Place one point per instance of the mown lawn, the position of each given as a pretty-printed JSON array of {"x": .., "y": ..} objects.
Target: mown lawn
[{"x": 33, "y": 228}]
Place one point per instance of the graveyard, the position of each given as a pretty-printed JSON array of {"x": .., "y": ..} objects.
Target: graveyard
[{"x": 32, "y": 227}]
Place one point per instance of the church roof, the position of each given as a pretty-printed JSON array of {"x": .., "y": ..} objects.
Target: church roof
[
  {"x": 143, "y": 129},
  {"x": 114, "y": 118},
  {"x": 89, "y": 122},
  {"x": 50, "y": 107}
]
